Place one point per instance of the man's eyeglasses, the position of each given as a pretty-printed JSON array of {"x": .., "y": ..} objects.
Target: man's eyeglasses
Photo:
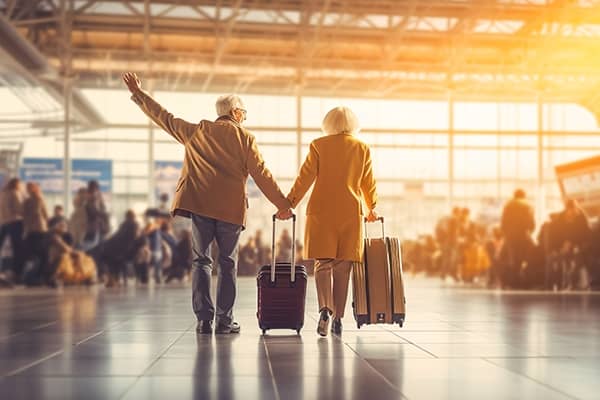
[{"x": 243, "y": 112}]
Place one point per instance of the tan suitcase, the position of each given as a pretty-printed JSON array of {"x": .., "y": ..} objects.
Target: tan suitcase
[{"x": 378, "y": 289}]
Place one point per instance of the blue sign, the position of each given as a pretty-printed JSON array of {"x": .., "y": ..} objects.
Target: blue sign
[
  {"x": 83, "y": 171},
  {"x": 49, "y": 173}
]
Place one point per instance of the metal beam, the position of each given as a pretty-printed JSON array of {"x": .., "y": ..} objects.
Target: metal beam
[
  {"x": 425, "y": 8},
  {"x": 248, "y": 29},
  {"x": 223, "y": 42}
]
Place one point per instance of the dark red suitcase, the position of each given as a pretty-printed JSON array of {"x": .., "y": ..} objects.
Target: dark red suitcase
[{"x": 281, "y": 291}]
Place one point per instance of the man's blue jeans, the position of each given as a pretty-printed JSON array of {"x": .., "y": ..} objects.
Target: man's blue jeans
[{"x": 204, "y": 231}]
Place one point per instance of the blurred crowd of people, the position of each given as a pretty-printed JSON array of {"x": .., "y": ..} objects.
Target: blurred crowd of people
[
  {"x": 39, "y": 248},
  {"x": 43, "y": 249},
  {"x": 256, "y": 252},
  {"x": 561, "y": 257}
]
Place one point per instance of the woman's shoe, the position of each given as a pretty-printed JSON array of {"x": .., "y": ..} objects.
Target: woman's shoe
[
  {"x": 323, "y": 323},
  {"x": 336, "y": 327}
]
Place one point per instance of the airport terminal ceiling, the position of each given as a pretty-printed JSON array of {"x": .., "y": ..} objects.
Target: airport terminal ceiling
[{"x": 502, "y": 50}]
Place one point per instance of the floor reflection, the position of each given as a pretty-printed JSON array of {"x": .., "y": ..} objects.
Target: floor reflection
[
  {"x": 141, "y": 344},
  {"x": 203, "y": 368}
]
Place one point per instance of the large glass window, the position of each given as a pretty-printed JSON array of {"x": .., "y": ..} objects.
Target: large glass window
[{"x": 495, "y": 149}]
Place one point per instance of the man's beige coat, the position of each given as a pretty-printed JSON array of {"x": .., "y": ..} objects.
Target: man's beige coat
[{"x": 218, "y": 158}]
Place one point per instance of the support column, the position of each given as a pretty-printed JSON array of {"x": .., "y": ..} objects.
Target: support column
[
  {"x": 67, "y": 94},
  {"x": 299, "y": 154},
  {"x": 151, "y": 144},
  {"x": 498, "y": 152},
  {"x": 66, "y": 7},
  {"x": 540, "y": 203},
  {"x": 450, "y": 149},
  {"x": 298, "y": 131},
  {"x": 151, "y": 159}
]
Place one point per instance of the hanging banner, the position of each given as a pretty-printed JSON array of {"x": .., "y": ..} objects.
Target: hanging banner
[{"x": 49, "y": 173}]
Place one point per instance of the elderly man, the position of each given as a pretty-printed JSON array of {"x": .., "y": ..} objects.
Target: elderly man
[
  {"x": 517, "y": 224},
  {"x": 219, "y": 156}
]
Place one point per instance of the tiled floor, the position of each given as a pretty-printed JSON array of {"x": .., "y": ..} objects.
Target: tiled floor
[{"x": 140, "y": 343}]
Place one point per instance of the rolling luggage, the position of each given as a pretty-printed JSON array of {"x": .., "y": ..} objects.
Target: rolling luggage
[
  {"x": 281, "y": 291},
  {"x": 378, "y": 289}
]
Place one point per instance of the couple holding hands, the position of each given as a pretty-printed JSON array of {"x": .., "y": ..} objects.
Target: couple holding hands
[{"x": 219, "y": 156}]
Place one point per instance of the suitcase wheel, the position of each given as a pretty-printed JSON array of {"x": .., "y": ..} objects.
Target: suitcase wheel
[
  {"x": 264, "y": 331},
  {"x": 298, "y": 331},
  {"x": 358, "y": 325}
]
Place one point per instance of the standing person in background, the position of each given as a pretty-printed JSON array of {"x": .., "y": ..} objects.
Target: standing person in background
[
  {"x": 35, "y": 226},
  {"x": 182, "y": 257},
  {"x": 219, "y": 156},
  {"x": 152, "y": 232},
  {"x": 11, "y": 216},
  {"x": 167, "y": 235},
  {"x": 574, "y": 239},
  {"x": 447, "y": 233},
  {"x": 247, "y": 264},
  {"x": 494, "y": 249},
  {"x": 339, "y": 165},
  {"x": 466, "y": 237},
  {"x": 284, "y": 247},
  {"x": 517, "y": 225},
  {"x": 163, "y": 206},
  {"x": 549, "y": 239},
  {"x": 574, "y": 230},
  {"x": 97, "y": 226},
  {"x": 78, "y": 221},
  {"x": 119, "y": 248},
  {"x": 262, "y": 249},
  {"x": 142, "y": 259}
]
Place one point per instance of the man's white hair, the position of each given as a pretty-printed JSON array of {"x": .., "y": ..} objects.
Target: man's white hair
[{"x": 227, "y": 103}]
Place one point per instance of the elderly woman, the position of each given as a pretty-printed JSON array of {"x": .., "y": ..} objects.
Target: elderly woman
[{"x": 340, "y": 167}]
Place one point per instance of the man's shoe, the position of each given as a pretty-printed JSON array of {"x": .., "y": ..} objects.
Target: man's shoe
[
  {"x": 205, "y": 327},
  {"x": 233, "y": 327},
  {"x": 336, "y": 327},
  {"x": 323, "y": 323}
]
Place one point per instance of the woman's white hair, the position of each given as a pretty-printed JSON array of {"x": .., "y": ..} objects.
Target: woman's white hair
[
  {"x": 225, "y": 104},
  {"x": 340, "y": 120}
]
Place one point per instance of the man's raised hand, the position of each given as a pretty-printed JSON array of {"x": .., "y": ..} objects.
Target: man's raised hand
[{"x": 132, "y": 81}]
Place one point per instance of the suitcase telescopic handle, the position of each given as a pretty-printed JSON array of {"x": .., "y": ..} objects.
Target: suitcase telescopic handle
[
  {"x": 293, "y": 256},
  {"x": 382, "y": 227}
]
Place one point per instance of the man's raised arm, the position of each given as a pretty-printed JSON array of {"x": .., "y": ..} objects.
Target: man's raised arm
[{"x": 181, "y": 130}]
